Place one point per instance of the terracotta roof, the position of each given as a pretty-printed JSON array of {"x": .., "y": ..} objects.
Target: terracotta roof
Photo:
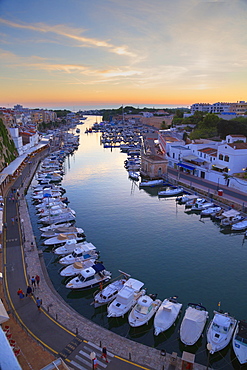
[
  {"x": 238, "y": 145},
  {"x": 210, "y": 151}
]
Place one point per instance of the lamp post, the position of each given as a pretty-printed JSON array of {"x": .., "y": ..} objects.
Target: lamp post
[
  {"x": 92, "y": 356},
  {"x": 209, "y": 348}
]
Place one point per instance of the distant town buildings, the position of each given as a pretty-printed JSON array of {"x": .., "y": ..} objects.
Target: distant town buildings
[{"x": 234, "y": 109}]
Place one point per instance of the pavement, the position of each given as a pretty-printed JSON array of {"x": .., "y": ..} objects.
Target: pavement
[{"x": 57, "y": 327}]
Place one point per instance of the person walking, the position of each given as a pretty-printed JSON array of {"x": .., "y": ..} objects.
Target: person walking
[
  {"x": 29, "y": 291},
  {"x": 13, "y": 220},
  {"x": 37, "y": 279},
  {"x": 33, "y": 281},
  {"x": 38, "y": 303},
  {"x": 20, "y": 293},
  {"x": 104, "y": 354},
  {"x": 95, "y": 363}
]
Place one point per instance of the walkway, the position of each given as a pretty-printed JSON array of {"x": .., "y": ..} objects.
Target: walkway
[{"x": 57, "y": 326}]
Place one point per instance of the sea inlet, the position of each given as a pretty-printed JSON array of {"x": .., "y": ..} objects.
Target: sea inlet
[{"x": 152, "y": 239}]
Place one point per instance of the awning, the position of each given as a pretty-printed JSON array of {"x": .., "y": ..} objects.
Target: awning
[
  {"x": 193, "y": 158},
  {"x": 220, "y": 166},
  {"x": 191, "y": 168}
]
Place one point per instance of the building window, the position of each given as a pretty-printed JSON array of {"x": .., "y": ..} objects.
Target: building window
[
  {"x": 226, "y": 158},
  {"x": 173, "y": 155},
  {"x": 221, "y": 157}
]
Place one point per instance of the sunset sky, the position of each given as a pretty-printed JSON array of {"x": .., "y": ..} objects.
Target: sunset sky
[{"x": 105, "y": 53}]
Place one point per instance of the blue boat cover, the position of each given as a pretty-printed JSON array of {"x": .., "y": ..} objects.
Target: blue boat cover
[{"x": 98, "y": 267}]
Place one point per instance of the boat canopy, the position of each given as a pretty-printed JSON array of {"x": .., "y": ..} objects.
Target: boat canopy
[
  {"x": 230, "y": 213},
  {"x": 98, "y": 267},
  {"x": 193, "y": 323},
  {"x": 168, "y": 306},
  {"x": 134, "y": 284},
  {"x": 145, "y": 301},
  {"x": 83, "y": 248},
  {"x": 125, "y": 295},
  {"x": 62, "y": 237},
  {"x": 222, "y": 320}
]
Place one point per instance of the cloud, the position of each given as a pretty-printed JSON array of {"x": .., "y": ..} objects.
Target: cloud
[{"x": 72, "y": 34}]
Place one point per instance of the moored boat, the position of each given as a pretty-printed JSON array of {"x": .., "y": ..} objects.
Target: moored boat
[
  {"x": 193, "y": 323},
  {"x": 169, "y": 192},
  {"x": 166, "y": 315},
  {"x": 152, "y": 183},
  {"x": 90, "y": 277},
  {"x": 143, "y": 311},
  {"x": 239, "y": 342},
  {"x": 220, "y": 331}
]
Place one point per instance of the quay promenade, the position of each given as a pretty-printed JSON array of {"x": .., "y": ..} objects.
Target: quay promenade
[{"x": 58, "y": 328}]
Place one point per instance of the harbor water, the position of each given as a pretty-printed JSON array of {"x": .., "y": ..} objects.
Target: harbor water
[{"x": 154, "y": 240}]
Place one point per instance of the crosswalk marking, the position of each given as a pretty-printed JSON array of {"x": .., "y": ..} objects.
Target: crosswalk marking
[
  {"x": 82, "y": 360},
  {"x": 99, "y": 348}
]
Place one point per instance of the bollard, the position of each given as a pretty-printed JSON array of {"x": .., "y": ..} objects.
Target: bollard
[
  {"x": 76, "y": 331},
  {"x": 56, "y": 316},
  {"x": 100, "y": 344},
  {"x": 129, "y": 356}
]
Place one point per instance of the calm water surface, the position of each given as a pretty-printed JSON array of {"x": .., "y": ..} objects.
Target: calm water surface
[{"x": 155, "y": 241}]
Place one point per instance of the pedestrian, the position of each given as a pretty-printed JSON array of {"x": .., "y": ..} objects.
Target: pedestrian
[
  {"x": 95, "y": 363},
  {"x": 13, "y": 220},
  {"x": 20, "y": 293},
  {"x": 38, "y": 303},
  {"x": 13, "y": 199},
  {"x": 33, "y": 281},
  {"x": 37, "y": 278},
  {"x": 104, "y": 354},
  {"x": 32, "y": 246},
  {"x": 29, "y": 292},
  {"x": 16, "y": 218},
  {"x": 5, "y": 225}
]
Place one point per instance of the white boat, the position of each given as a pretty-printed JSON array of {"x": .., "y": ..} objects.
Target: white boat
[
  {"x": 126, "y": 298},
  {"x": 90, "y": 277},
  {"x": 74, "y": 252},
  {"x": 134, "y": 175},
  {"x": 62, "y": 230},
  {"x": 239, "y": 226},
  {"x": 186, "y": 198},
  {"x": 61, "y": 239},
  {"x": 152, "y": 183},
  {"x": 42, "y": 212},
  {"x": 229, "y": 221},
  {"x": 49, "y": 177},
  {"x": 220, "y": 331},
  {"x": 42, "y": 194},
  {"x": 76, "y": 268},
  {"x": 170, "y": 192},
  {"x": 54, "y": 226},
  {"x": 143, "y": 311},
  {"x": 193, "y": 323},
  {"x": 60, "y": 217},
  {"x": 239, "y": 342},
  {"x": 209, "y": 211},
  {"x": 193, "y": 201},
  {"x": 201, "y": 206},
  {"x": 107, "y": 294},
  {"x": 166, "y": 315}
]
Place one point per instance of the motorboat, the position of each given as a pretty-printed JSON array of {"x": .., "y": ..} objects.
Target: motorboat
[
  {"x": 193, "y": 201},
  {"x": 186, "y": 198},
  {"x": 60, "y": 217},
  {"x": 61, "y": 239},
  {"x": 200, "y": 206},
  {"x": 90, "y": 277},
  {"x": 107, "y": 294},
  {"x": 209, "y": 211},
  {"x": 62, "y": 230},
  {"x": 134, "y": 175},
  {"x": 52, "y": 177},
  {"x": 126, "y": 298},
  {"x": 42, "y": 212},
  {"x": 152, "y": 183},
  {"x": 193, "y": 323},
  {"x": 220, "y": 331},
  {"x": 239, "y": 342},
  {"x": 229, "y": 221},
  {"x": 54, "y": 226},
  {"x": 226, "y": 215},
  {"x": 143, "y": 310},
  {"x": 76, "y": 252},
  {"x": 166, "y": 315},
  {"x": 171, "y": 192},
  {"x": 42, "y": 194},
  {"x": 76, "y": 268},
  {"x": 240, "y": 226}
]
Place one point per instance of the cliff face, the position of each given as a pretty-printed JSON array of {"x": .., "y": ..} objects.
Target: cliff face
[{"x": 8, "y": 150}]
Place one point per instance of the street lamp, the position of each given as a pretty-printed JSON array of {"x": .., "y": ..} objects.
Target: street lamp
[
  {"x": 209, "y": 348},
  {"x": 92, "y": 356}
]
